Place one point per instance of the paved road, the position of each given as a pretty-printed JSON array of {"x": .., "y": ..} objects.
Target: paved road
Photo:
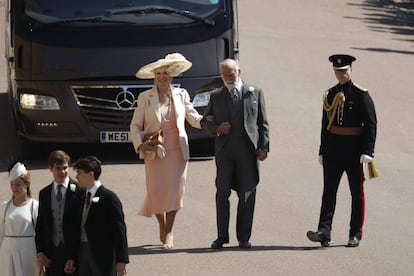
[{"x": 284, "y": 49}]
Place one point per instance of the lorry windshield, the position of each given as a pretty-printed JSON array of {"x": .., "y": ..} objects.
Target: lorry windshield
[{"x": 141, "y": 12}]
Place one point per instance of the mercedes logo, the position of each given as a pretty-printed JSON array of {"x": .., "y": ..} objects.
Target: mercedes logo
[{"x": 125, "y": 100}]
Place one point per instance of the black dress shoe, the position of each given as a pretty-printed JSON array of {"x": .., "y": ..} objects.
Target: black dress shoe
[
  {"x": 245, "y": 244},
  {"x": 318, "y": 236},
  {"x": 353, "y": 241},
  {"x": 218, "y": 244}
]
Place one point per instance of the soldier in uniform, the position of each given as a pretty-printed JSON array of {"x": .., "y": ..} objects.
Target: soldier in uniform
[{"x": 348, "y": 134}]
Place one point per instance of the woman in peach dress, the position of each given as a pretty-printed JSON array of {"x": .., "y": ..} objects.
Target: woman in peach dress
[{"x": 164, "y": 108}]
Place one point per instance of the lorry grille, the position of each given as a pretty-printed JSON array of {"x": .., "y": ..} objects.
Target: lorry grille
[{"x": 108, "y": 107}]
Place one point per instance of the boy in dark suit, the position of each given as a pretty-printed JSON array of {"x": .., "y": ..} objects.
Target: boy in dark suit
[
  {"x": 103, "y": 247},
  {"x": 59, "y": 217}
]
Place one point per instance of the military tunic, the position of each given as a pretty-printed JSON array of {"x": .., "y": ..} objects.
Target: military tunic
[{"x": 352, "y": 132}]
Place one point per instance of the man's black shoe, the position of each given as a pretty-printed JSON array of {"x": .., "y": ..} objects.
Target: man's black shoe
[
  {"x": 245, "y": 244},
  {"x": 218, "y": 244},
  {"x": 317, "y": 236},
  {"x": 353, "y": 241}
]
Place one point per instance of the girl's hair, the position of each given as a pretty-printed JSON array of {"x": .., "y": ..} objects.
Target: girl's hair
[{"x": 26, "y": 178}]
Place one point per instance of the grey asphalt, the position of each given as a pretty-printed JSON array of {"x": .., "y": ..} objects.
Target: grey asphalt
[{"x": 284, "y": 49}]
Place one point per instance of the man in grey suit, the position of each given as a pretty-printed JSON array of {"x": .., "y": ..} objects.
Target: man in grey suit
[
  {"x": 236, "y": 114},
  {"x": 59, "y": 217}
]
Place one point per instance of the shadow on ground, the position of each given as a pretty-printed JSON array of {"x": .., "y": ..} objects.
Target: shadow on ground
[
  {"x": 157, "y": 249},
  {"x": 396, "y": 17}
]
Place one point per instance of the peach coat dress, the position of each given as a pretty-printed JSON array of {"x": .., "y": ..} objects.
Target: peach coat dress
[{"x": 165, "y": 178}]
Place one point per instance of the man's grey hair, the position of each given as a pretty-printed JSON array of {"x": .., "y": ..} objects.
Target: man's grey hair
[{"x": 230, "y": 63}]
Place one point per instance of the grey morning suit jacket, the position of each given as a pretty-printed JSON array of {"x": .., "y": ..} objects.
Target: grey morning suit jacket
[
  {"x": 71, "y": 220},
  {"x": 254, "y": 113}
]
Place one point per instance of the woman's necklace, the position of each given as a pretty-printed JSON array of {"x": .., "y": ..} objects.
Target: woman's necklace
[
  {"x": 167, "y": 115},
  {"x": 165, "y": 100},
  {"x": 20, "y": 202}
]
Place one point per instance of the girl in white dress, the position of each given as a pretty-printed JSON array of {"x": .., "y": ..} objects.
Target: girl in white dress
[{"x": 17, "y": 227}]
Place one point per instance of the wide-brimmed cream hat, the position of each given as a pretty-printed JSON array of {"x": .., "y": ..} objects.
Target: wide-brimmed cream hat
[{"x": 177, "y": 64}]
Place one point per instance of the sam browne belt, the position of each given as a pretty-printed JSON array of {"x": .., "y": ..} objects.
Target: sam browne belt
[{"x": 345, "y": 130}]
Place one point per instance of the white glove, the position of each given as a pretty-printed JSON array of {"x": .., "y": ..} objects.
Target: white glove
[
  {"x": 365, "y": 158},
  {"x": 161, "y": 152},
  {"x": 320, "y": 159}
]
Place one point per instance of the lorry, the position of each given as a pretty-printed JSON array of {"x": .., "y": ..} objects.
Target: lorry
[{"x": 72, "y": 64}]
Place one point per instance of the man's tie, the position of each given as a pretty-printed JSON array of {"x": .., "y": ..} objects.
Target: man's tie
[
  {"x": 59, "y": 193},
  {"x": 235, "y": 95},
  {"x": 88, "y": 199}
]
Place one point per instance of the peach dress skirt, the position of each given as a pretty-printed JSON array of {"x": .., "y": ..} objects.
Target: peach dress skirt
[{"x": 165, "y": 178}]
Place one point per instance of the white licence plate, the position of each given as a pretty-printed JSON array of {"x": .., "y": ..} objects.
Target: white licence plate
[{"x": 115, "y": 137}]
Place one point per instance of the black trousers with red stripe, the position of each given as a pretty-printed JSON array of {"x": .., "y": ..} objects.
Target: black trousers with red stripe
[{"x": 332, "y": 174}]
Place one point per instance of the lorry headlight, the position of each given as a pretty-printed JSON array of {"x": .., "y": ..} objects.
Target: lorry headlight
[
  {"x": 202, "y": 99},
  {"x": 38, "y": 102}
]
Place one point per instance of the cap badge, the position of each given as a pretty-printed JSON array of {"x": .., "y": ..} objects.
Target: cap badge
[{"x": 339, "y": 61}]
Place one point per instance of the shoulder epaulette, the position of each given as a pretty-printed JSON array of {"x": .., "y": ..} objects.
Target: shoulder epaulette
[
  {"x": 326, "y": 92},
  {"x": 363, "y": 89}
]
